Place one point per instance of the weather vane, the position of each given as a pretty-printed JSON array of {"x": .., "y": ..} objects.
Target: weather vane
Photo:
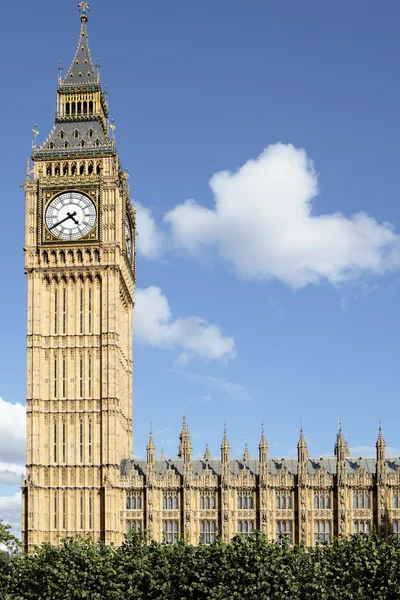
[{"x": 84, "y": 7}]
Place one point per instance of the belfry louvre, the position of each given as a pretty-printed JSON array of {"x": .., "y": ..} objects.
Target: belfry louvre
[{"x": 80, "y": 262}]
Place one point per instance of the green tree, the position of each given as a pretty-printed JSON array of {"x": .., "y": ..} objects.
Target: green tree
[{"x": 11, "y": 542}]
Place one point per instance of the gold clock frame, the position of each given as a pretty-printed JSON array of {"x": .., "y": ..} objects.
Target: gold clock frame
[{"x": 94, "y": 233}]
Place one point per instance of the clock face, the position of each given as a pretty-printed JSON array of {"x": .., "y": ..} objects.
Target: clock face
[
  {"x": 128, "y": 240},
  {"x": 70, "y": 216}
]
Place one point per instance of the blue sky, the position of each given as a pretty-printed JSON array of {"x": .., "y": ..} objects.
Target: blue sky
[{"x": 296, "y": 295}]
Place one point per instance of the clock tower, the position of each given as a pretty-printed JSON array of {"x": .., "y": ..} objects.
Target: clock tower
[{"x": 80, "y": 265}]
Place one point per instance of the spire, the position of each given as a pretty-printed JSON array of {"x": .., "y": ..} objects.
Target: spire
[
  {"x": 207, "y": 453},
  {"x": 246, "y": 453},
  {"x": 263, "y": 448},
  {"x": 225, "y": 448},
  {"x": 302, "y": 450},
  {"x": 185, "y": 445},
  {"x": 341, "y": 447},
  {"x": 162, "y": 454},
  {"x": 151, "y": 448},
  {"x": 380, "y": 445},
  {"x": 82, "y": 71}
]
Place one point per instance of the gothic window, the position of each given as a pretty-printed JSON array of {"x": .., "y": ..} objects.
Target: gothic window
[
  {"x": 245, "y": 500},
  {"x": 67, "y": 108},
  {"x": 73, "y": 169},
  {"x": 82, "y": 145},
  {"x": 284, "y": 529},
  {"x": 81, "y": 307},
  {"x": 62, "y": 134},
  {"x": 322, "y": 500},
  {"x": 81, "y": 442},
  {"x": 170, "y": 532},
  {"x": 55, "y": 502},
  {"x": 57, "y": 169},
  {"x": 66, "y": 145},
  {"x": 283, "y": 501},
  {"x": 85, "y": 108},
  {"x": 64, "y": 302},
  {"x": 55, "y": 310},
  {"x": 82, "y": 169},
  {"x": 96, "y": 256},
  {"x": 396, "y": 529},
  {"x": 207, "y": 501},
  {"x": 90, "y": 133},
  {"x": 90, "y": 376},
  {"x": 81, "y": 510},
  {"x": 91, "y": 107},
  {"x": 395, "y": 500},
  {"x": 64, "y": 510},
  {"x": 245, "y": 528},
  {"x": 133, "y": 501},
  {"x": 65, "y": 169},
  {"x": 90, "y": 442},
  {"x": 170, "y": 501},
  {"x": 98, "y": 168},
  {"x": 76, "y": 133},
  {"x": 79, "y": 104},
  {"x": 90, "y": 510},
  {"x": 133, "y": 526},
  {"x": 97, "y": 143},
  {"x": 45, "y": 258},
  {"x": 90, "y": 169},
  {"x": 55, "y": 377},
  {"x": 73, "y": 107},
  {"x": 208, "y": 532},
  {"x": 51, "y": 146},
  {"x": 361, "y": 500},
  {"x": 362, "y": 527},
  {"x": 81, "y": 378},
  {"x": 55, "y": 442},
  {"x": 63, "y": 379},
  {"x": 322, "y": 532},
  {"x": 48, "y": 171}
]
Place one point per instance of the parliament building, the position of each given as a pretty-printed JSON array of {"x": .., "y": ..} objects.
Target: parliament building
[{"x": 80, "y": 262}]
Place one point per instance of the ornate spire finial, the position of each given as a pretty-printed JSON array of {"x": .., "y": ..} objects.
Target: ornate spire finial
[
  {"x": 380, "y": 440},
  {"x": 162, "y": 455},
  {"x": 207, "y": 453},
  {"x": 246, "y": 453},
  {"x": 113, "y": 128},
  {"x": 35, "y": 132},
  {"x": 84, "y": 8}
]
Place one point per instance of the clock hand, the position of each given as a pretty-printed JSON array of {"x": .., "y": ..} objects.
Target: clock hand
[{"x": 69, "y": 216}]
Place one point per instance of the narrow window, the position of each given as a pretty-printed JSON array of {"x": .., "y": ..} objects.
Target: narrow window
[
  {"x": 63, "y": 379},
  {"x": 81, "y": 378},
  {"x": 55, "y": 310},
  {"x": 81, "y": 510},
  {"x": 81, "y": 442},
  {"x": 64, "y": 311},
  {"x": 90, "y": 511},
  {"x": 64, "y": 510},
  {"x": 55, "y": 378},
  {"x": 63, "y": 443},
  {"x": 90, "y": 376},
  {"x": 90, "y": 310},
  {"x": 90, "y": 442},
  {"x": 55, "y": 510},
  {"x": 55, "y": 442},
  {"x": 81, "y": 310}
]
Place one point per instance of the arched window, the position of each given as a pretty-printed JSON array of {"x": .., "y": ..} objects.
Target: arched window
[
  {"x": 65, "y": 169},
  {"x": 170, "y": 502},
  {"x": 164, "y": 502},
  {"x": 239, "y": 501},
  {"x": 73, "y": 108},
  {"x": 176, "y": 501},
  {"x": 84, "y": 108},
  {"x": 395, "y": 500},
  {"x": 73, "y": 169},
  {"x": 48, "y": 171},
  {"x": 208, "y": 503},
  {"x": 90, "y": 107},
  {"x": 90, "y": 169},
  {"x": 133, "y": 502},
  {"x": 79, "y": 108},
  {"x": 277, "y": 501},
  {"x": 128, "y": 502},
  {"x": 67, "y": 109},
  {"x": 201, "y": 502},
  {"x": 251, "y": 502}
]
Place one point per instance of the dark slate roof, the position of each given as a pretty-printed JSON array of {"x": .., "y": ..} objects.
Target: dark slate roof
[
  {"x": 64, "y": 133},
  {"x": 82, "y": 70},
  {"x": 275, "y": 465}
]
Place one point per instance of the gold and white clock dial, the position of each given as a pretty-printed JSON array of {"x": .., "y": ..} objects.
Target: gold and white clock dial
[{"x": 70, "y": 216}]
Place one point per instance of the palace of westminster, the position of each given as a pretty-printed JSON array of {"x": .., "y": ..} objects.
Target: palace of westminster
[{"x": 80, "y": 262}]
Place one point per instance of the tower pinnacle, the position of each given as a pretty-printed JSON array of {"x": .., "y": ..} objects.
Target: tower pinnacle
[{"x": 82, "y": 71}]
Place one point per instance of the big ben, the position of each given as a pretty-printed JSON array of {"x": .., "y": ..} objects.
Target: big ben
[{"x": 80, "y": 266}]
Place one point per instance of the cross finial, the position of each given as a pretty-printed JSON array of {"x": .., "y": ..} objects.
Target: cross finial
[
  {"x": 35, "y": 132},
  {"x": 97, "y": 65},
  {"x": 84, "y": 9},
  {"x": 112, "y": 127}
]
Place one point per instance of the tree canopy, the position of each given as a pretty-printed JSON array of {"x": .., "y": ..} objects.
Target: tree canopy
[{"x": 359, "y": 568}]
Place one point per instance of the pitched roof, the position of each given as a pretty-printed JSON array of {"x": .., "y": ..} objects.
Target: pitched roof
[{"x": 82, "y": 71}]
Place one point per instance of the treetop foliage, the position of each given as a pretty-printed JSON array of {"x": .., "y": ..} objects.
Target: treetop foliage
[{"x": 360, "y": 568}]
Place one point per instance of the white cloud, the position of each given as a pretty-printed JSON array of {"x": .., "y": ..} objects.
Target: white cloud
[
  {"x": 149, "y": 238},
  {"x": 263, "y": 225},
  {"x": 195, "y": 337},
  {"x": 12, "y": 432},
  {"x": 236, "y": 391},
  {"x": 10, "y": 474},
  {"x": 10, "y": 512}
]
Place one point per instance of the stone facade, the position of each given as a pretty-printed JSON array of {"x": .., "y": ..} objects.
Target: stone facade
[{"x": 80, "y": 474}]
